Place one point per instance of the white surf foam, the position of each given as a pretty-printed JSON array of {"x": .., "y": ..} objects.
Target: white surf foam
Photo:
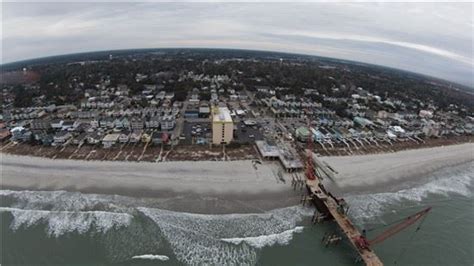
[
  {"x": 151, "y": 257},
  {"x": 194, "y": 238},
  {"x": 62, "y": 222},
  {"x": 445, "y": 182},
  {"x": 66, "y": 201},
  {"x": 282, "y": 238},
  {"x": 197, "y": 239}
]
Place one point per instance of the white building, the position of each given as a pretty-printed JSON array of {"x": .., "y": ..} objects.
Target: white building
[
  {"x": 57, "y": 124},
  {"x": 222, "y": 126},
  {"x": 431, "y": 129},
  {"x": 110, "y": 139},
  {"x": 61, "y": 137},
  {"x": 425, "y": 114}
]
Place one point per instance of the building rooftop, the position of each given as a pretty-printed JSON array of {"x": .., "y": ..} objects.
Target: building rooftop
[
  {"x": 222, "y": 114},
  {"x": 266, "y": 149},
  {"x": 303, "y": 131},
  {"x": 111, "y": 137}
]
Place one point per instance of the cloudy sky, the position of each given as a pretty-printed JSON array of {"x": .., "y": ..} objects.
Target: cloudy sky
[{"x": 430, "y": 38}]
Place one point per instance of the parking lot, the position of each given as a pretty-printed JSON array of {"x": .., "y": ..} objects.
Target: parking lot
[
  {"x": 247, "y": 134},
  {"x": 196, "y": 132},
  {"x": 201, "y": 133}
]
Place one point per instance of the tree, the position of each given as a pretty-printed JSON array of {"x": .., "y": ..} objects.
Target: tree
[
  {"x": 180, "y": 95},
  {"x": 205, "y": 96},
  {"x": 23, "y": 97}
]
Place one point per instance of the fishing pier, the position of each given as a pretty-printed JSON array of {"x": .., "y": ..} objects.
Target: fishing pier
[{"x": 334, "y": 209}]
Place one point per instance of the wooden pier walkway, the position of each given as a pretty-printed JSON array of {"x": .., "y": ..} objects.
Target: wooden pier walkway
[{"x": 344, "y": 223}]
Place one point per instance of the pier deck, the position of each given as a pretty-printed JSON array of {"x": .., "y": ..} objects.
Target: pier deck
[{"x": 344, "y": 223}]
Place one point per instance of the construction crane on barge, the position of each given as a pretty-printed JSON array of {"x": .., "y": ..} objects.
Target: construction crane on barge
[{"x": 331, "y": 208}]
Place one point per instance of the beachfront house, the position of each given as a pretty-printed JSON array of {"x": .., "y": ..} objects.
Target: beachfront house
[
  {"x": 398, "y": 131},
  {"x": 431, "y": 129},
  {"x": 20, "y": 134},
  {"x": 61, "y": 138},
  {"x": 146, "y": 137},
  {"x": 124, "y": 137},
  {"x": 80, "y": 139},
  {"x": 44, "y": 138},
  {"x": 159, "y": 137},
  {"x": 110, "y": 139},
  {"x": 93, "y": 138},
  {"x": 135, "y": 136}
]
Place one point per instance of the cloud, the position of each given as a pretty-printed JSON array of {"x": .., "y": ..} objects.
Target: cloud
[{"x": 358, "y": 38}]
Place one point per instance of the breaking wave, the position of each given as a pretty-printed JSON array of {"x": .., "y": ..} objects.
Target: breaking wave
[
  {"x": 152, "y": 257},
  {"x": 68, "y": 201},
  {"x": 443, "y": 183},
  {"x": 62, "y": 222},
  {"x": 193, "y": 238},
  {"x": 282, "y": 238},
  {"x": 198, "y": 239}
]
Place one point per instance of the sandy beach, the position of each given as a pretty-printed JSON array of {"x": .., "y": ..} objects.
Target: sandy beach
[
  {"x": 392, "y": 171},
  {"x": 201, "y": 177},
  {"x": 224, "y": 186},
  {"x": 233, "y": 186}
]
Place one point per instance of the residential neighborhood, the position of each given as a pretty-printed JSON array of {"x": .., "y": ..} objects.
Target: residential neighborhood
[{"x": 156, "y": 114}]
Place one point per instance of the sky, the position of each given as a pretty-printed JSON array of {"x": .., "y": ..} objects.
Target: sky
[{"x": 435, "y": 39}]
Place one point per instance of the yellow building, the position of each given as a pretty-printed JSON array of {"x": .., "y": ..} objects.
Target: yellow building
[{"x": 222, "y": 126}]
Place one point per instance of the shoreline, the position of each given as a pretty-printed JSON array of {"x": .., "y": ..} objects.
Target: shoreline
[
  {"x": 202, "y": 187},
  {"x": 188, "y": 203},
  {"x": 218, "y": 187}
]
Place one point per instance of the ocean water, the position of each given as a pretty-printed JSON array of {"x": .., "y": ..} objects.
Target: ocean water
[{"x": 70, "y": 228}]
